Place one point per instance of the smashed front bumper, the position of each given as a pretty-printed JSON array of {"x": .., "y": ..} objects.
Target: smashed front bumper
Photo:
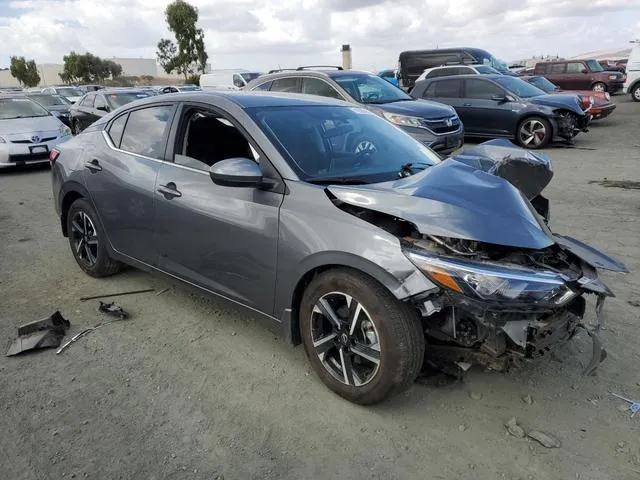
[{"x": 568, "y": 125}]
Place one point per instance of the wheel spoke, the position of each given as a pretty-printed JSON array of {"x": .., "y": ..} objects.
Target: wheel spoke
[
  {"x": 355, "y": 309},
  {"x": 92, "y": 240},
  {"x": 79, "y": 245},
  {"x": 366, "y": 352},
  {"x": 76, "y": 226},
  {"x": 84, "y": 223},
  {"x": 347, "y": 367},
  {"x": 324, "y": 344},
  {"x": 328, "y": 312}
]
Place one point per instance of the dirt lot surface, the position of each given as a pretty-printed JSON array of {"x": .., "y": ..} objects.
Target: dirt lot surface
[{"x": 194, "y": 388}]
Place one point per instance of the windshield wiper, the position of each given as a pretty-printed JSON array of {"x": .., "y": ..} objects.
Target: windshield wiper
[
  {"x": 408, "y": 169},
  {"x": 338, "y": 180}
]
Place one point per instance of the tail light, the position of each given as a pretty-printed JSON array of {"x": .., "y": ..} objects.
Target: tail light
[{"x": 53, "y": 155}]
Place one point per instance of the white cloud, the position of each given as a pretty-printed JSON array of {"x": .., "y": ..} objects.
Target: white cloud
[{"x": 266, "y": 33}]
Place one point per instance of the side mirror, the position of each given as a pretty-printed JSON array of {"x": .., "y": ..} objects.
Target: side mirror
[
  {"x": 584, "y": 70},
  {"x": 104, "y": 108},
  {"x": 236, "y": 172},
  {"x": 501, "y": 98}
]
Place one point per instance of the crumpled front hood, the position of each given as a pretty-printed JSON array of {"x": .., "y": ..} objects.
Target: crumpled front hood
[
  {"x": 29, "y": 125},
  {"x": 568, "y": 101},
  {"x": 453, "y": 199}
]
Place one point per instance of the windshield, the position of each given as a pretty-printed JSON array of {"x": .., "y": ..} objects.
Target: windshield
[
  {"x": 250, "y": 76},
  {"x": 70, "y": 91},
  {"x": 50, "y": 100},
  {"x": 370, "y": 89},
  {"x": 519, "y": 87},
  {"x": 491, "y": 61},
  {"x": 543, "y": 84},
  {"x": 329, "y": 144},
  {"x": 594, "y": 66},
  {"x": 20, "y": 108},
  {"x": 119, "y": 99}
]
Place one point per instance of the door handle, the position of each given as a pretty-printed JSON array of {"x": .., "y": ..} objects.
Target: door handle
[
  {"x": 169, "y": 191},
  {"x": 93, "y": 165},
  {"x": 466, "y": 105}
]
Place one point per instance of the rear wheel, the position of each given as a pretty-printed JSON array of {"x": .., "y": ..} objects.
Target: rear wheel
[
  {"x": 88, "y": 241},
  {"x": 599, "y": 87},
  {"x": 534, "y": 132},
  {"x": 635, "y": 93},
  {"x": 363, "y": 343}
]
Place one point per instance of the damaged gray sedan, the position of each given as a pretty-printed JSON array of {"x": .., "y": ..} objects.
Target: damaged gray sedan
[{"x": 378, "y": 259}]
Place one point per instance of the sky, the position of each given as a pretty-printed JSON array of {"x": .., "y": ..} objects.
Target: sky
[{"x": 265, "y": 34}]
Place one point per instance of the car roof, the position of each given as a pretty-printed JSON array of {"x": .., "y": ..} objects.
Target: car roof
[
  {"x": 488, "y": 76},
  {"x": 246, "y": 99},
  {"x": 309, "y": 73}
]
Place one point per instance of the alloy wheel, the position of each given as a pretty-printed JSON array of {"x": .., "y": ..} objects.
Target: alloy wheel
[
  {"x": 532, "y": 133},
  {"x": 345, "y": 339},
  {"x": 599, "y": 87},
  {"x": 84, "y": 238},
  {"x": 636, "y": 94}
]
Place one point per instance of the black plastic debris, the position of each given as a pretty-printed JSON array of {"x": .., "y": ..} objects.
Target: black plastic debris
[
  {"x": 113, "y": 310},
  {"x": 45, "y": 333}
]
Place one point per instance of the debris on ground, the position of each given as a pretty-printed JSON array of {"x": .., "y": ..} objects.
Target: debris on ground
[
  {"x": 110, "y": 309},
  {"x": 634, "y": 406},
  {"x": 621, "y": 447},
  {"x": 514, "y": 429},
  {"x": 634, "y": 303},
  {"x": 163, "y": 291},
  {"x": 544, "y": 439},
  {"x": 120, "y": 294},
  {"x": 113, "y": 310},
  {"x": 45, "y": 333},
  {"x": 462, "y": 428},
  {"x": 475, "y": 395},
  {"x": 528, "y": 399},
  {"x": 626, "y": 184}
]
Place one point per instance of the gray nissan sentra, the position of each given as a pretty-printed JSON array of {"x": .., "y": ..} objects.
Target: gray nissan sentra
[{"x": 363, "y": 256}]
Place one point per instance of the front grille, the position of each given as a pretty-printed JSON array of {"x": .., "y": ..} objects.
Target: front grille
[
  {"x": 42, "y": 140},
  {"x": 439, "y": 125},
  {"x": 29, "y": 157}
]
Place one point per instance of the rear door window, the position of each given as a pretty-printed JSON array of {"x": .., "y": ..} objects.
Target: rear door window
[
  {"x": 289, "y": 84},
  {"x": 315, "y": 86},
  {"x": 481, "y": 89},
  {"x": 556, "y": 68},
  {"x": 575, "y": 67},
  {"x": 146, "y": 130},
  {"x": 116, "y": 128},
  {"x": 263, "y": 86},
  {"x": 448, "y": 88}
]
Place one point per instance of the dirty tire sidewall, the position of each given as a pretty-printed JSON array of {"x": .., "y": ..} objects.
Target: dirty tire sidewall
[
  {"x": 547, "y": 137},
  {"x": 105, "y": 265},
  {"x": 635, "y": 93},
  {"x": 599, "y": 87},
  {"x": 399, "y": 330}
]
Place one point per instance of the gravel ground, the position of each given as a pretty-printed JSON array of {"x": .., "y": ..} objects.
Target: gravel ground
[{"x": 195, "y": 388}]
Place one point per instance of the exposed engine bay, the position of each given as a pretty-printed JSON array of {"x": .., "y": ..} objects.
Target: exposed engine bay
[{"x": 509, "y": 290}]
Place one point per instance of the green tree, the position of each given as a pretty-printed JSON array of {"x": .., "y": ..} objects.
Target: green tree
[
  {"x": 187, "y": 56},
  {"x": 26, "y": 72},
  {"x": 88, "y": 68}
]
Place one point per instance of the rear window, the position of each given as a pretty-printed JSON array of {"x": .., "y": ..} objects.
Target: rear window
[{"x": 285, "y": 85}]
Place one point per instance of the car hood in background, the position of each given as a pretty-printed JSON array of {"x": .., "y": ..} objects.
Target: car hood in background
[
  {"x": 417, "y": 108},
  {"x": 559, "y": 100},
  {"x": 58, "y": 108},
  {"x": 458, "y": 200},
  {"x": 29, "y": 125}
]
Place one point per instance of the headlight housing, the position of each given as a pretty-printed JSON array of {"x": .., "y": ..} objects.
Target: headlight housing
[
  {"x": 612, "y": 77},
  {"x": 64, "y": 130},
  {"x": 403, "y": 120},
  {"x": 493, "y": 283}
]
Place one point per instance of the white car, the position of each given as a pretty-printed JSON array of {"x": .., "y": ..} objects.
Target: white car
[
  {"x": 632, "y": 84},
  {"x": 28, "y": 132},
  {"x": 178, "y": 89},
  {"x": 447, "y": 70},
  {"x": 229, "y": 79},
  {"x": 73, "y": 94}
]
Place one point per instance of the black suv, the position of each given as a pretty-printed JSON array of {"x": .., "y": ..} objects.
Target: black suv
[
  {"x": 435, "y": 125},
  {"x": 97, "y": 104}
]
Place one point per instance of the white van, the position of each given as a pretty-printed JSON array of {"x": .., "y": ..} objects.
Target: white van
[
  {"x": 632, "y": 84},
  {"x": 231, "y": 79}
]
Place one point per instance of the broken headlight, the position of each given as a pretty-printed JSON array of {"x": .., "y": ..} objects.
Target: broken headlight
[{"x": 492, "y": 282}]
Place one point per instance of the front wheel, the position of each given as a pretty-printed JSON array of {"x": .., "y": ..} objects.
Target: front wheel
[
  {"x": 599, "y": 87},
  {"x": 362, "y": 342},
  {"x": 635, "y": 93},
  {"x": 88, "y": 241},
  {"x": 534, "y": 132}
]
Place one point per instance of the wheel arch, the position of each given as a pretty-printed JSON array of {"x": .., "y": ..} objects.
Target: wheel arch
[
  {"x": 320, "y": 263},
  {"x": 70, "y": 194},
  {"x": 606, "y": 87},
  {"x": 633, "y": 86}
]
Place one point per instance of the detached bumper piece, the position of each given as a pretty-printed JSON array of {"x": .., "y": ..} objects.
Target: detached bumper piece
[{"x": 45, "y": 333}]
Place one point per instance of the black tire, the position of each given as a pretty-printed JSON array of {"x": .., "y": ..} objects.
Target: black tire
[
  {"x": 92, "y": 258},
  {"x": 537, "y": 142},
  {"x": 396, "y": 327},
  {"x": 599, "y": 87},
  {"x": 635, "y": 92}
]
